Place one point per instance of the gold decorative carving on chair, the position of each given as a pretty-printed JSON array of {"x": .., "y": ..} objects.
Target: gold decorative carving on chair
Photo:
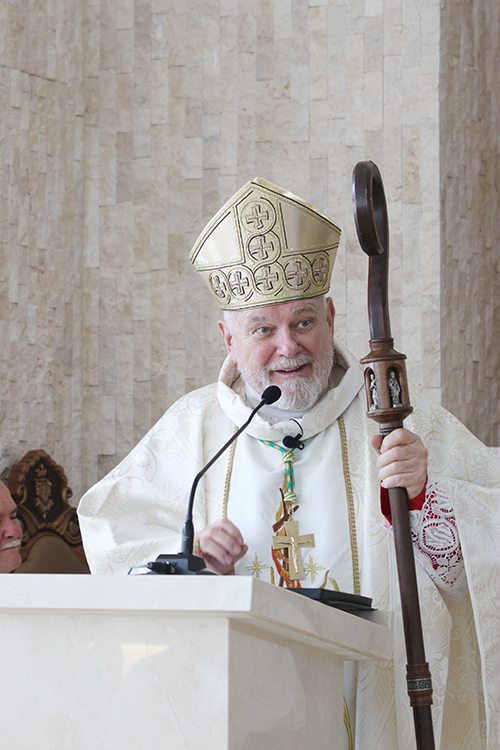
[{"x": 39, "y": 486}]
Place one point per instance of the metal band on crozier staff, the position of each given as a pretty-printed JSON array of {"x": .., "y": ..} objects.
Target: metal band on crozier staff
[{"x": 419, "y": 685}]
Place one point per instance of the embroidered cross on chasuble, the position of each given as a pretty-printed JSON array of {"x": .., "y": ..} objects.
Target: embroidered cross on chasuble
[{"x": 288, "y": 539}]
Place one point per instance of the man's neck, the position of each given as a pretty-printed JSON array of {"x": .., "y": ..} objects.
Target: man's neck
[{"x": 272, "y": 413}]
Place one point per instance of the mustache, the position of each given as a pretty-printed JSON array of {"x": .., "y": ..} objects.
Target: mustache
[
  {"x": 289, "y": 363},
  {"x": 9, "y": 545}
]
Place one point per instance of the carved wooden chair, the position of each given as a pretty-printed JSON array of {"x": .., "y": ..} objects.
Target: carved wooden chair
[{"x": 51, "y": 541}]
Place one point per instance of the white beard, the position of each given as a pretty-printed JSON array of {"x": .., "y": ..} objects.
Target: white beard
[{"x": 299, "y": 393}]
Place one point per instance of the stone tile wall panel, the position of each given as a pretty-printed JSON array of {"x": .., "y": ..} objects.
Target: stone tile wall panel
[
  {"x": 41, "y": 232},
  {"x": 470, "y": 203},
  {"x": 222, "y": 92}
]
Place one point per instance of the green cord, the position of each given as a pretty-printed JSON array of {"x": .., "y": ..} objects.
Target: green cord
[{"x": 288, "y": 459}]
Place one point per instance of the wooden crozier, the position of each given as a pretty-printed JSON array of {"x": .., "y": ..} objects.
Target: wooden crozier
[{"x": 389, "y": 404}]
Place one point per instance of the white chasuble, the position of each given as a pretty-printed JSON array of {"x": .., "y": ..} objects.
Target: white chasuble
[
  {"x": 137, "y": 512},
  {"x": 254, "y": 504}
]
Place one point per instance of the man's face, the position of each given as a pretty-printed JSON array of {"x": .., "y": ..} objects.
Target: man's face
[
  {"x": 10, "y": 533},
  {"x": 289, "y": 345}
]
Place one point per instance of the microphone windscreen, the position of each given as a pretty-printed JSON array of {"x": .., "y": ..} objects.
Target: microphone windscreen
[{"x": 271, "y": 394}]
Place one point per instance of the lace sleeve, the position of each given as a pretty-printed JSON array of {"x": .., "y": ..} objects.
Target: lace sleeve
[{"x": 437, "y": 543}]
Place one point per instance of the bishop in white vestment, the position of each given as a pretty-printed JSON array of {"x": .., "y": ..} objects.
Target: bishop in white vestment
[{"x": 315, "y": 516}]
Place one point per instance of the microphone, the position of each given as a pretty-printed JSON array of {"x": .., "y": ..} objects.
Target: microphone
[
  {"x": 270, "y": 396},
  {"x": 185, "y": 561},
  {"x": 294, "y": 442}
]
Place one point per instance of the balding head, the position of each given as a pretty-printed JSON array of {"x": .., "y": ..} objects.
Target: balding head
[{"x": 10, "y": 532}]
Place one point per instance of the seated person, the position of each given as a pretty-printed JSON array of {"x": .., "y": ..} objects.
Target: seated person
[
  {"x": 267, "y": 258},
  {"x": 10, "y": 532}
]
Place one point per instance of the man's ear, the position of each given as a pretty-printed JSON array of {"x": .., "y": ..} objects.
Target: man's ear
[
  {"x": 330, "y": 313},
  {"x": 226, "y": 335}
]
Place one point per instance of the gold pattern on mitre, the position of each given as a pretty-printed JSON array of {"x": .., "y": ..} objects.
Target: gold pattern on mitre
[{"x": 266, "y": 246}]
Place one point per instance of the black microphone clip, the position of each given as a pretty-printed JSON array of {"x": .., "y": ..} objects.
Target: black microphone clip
[{"x": 294, "y": 442}]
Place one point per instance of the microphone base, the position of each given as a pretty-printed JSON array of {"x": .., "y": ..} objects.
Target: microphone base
[{"x": 179, "y": 564}]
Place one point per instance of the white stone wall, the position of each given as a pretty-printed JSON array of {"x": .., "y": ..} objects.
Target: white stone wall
[
  {"x": 41, "y": 230},
  {"x": 189, "y": 101},
  {"x": 470, "y": 229},
  {"x": 125, "y": 124}
]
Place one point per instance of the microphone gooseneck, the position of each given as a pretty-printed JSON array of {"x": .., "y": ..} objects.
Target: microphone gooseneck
[{"x": 271, "y": 394}]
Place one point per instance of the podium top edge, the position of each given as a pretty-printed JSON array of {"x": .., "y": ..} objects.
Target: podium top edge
[{"x": 243, "y": 600}]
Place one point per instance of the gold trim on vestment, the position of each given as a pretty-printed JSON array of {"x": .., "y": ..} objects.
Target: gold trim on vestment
[
  {"x": 227, "y": 483},
  {"x": 350, "y": 507},
  {"x": 347, "y": 724}
]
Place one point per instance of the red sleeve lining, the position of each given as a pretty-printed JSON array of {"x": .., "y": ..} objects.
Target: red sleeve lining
[{"x": 415, "y": 503}]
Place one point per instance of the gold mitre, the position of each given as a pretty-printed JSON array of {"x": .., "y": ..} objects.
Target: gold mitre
[{"x": 266, "y": 246}]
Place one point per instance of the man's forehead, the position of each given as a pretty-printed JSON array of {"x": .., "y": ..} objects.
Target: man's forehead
[
  {"x": 272, "y": 312},
  {"x": 7, "y": 504}
]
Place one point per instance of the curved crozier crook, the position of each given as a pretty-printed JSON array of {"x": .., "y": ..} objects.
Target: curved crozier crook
[
  {"x": 370, "y": 208},
  {"x": 372, "y": 226}
]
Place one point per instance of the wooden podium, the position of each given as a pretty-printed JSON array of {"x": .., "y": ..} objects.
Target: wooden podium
[{"x": 153, "y": 662}]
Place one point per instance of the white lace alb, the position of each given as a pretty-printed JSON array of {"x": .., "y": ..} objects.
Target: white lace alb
[{"x": 436, "y": 540}]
